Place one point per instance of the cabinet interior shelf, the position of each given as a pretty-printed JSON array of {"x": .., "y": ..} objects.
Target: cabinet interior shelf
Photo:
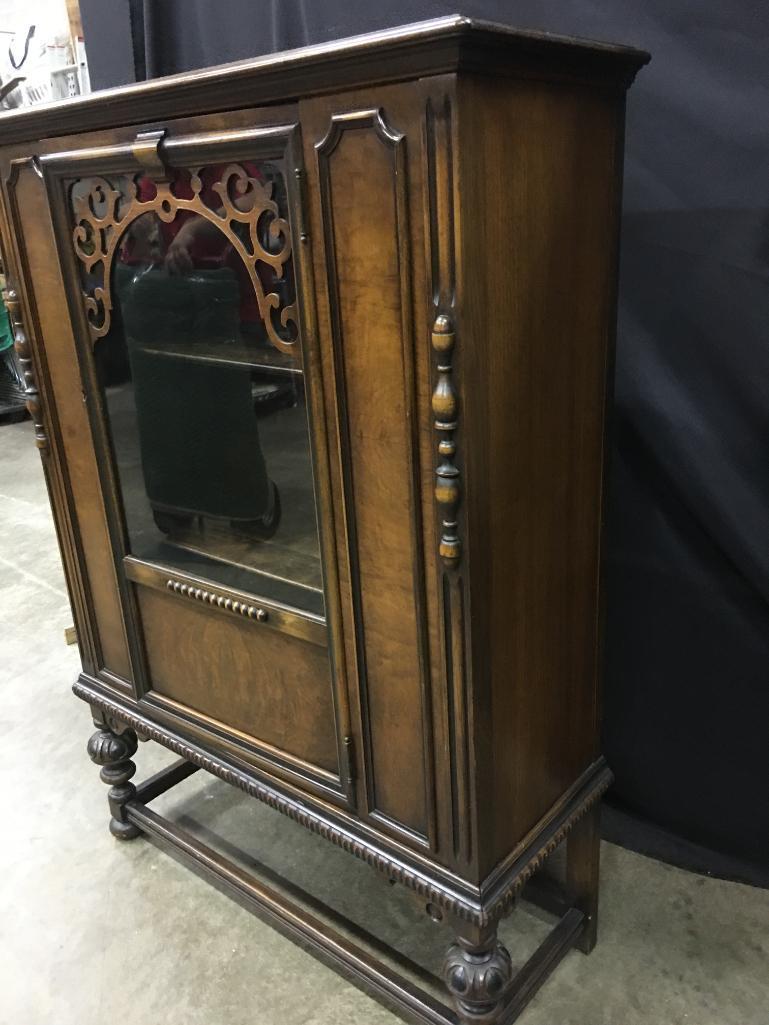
[{"x": 236, "y": 354}]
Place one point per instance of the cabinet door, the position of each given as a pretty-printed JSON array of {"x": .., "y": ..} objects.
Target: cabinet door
[{"x": 182, "y": 252}]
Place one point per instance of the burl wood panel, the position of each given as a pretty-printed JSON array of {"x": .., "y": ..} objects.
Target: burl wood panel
[
  {"x": 45, "y": 286},
  {"x": 362, "y": 173},
  {"x": 539, "y": 218},
  {"x": 269, "y": 686}
]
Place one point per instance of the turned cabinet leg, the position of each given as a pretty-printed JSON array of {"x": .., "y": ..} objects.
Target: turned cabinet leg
[
  {"x": 583, "y": 852},
  {"x": 478, "y": 972},
  {"x": 113, "y": 752}
]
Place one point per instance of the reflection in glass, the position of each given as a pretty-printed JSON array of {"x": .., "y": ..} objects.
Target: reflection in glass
[{"x": 206, "y": 405}]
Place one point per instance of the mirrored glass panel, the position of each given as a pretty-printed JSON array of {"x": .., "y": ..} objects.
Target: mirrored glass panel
[{"x": 195, "y": 343}]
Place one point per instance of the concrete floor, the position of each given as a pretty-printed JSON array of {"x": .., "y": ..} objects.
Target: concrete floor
[{"x": 91, "y": 929}]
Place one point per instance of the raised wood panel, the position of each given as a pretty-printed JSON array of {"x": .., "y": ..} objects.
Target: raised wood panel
[
  {"x": 539, "y": 194},
  {"x": 28, "y": 212},
  {"x": 268, "y": 686},
  {"x": 364, "y": 205}
]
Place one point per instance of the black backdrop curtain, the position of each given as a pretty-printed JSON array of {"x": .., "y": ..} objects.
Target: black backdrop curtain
[{"x": 687, "y": 677}]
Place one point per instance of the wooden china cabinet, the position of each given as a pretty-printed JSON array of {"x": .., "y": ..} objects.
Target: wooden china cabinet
[{"x": 316, "y": 347}]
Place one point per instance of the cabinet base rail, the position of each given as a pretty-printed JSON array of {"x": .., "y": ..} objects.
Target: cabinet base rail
[{"x": 355, "y": 953}]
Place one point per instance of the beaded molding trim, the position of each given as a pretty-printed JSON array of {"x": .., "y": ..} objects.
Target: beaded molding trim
[
  {"x": 464, "y": 909},
  {"x": 212, "y": 598}
]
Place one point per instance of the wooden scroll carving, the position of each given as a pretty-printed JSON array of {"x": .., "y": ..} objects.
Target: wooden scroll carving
[{"x": 244, "y": 209}]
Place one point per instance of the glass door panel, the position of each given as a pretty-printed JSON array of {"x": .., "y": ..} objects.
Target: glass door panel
[{"x": 197, "y": 351}]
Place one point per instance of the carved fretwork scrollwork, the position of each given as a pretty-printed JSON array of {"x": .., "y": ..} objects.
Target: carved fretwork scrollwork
[
  {"x": 246, "y": 212},
  {"x": 445, "y": 409},
  {"x": 13, "y": 305}
]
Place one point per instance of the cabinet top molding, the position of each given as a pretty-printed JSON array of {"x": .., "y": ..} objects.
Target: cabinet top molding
[{"x": 438, "y": 46}]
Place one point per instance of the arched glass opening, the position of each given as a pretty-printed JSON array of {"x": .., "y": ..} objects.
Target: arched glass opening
[{"x": 196, "y": 346}]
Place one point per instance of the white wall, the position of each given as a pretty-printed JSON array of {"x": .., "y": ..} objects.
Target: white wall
[{"x": 49, "y": 17}]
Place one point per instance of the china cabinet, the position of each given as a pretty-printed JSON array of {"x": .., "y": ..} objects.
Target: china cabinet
[{"x": 317, "y": 349}]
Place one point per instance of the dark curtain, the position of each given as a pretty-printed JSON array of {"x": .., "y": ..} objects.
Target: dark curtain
[{"x": 687, "y": 670}]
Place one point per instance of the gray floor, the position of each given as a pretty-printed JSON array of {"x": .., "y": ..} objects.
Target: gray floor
[{"x": 92, "y": 930}]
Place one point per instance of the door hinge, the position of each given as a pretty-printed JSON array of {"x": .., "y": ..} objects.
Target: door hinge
[
  {"x": 348, "y": 768},
  {"x": 304, "y": 235}
]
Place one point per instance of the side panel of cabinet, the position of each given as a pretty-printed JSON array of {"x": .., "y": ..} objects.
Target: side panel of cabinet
[
  {"x": 364, "y": 152},
  {"x": 73, "y": 474},
  {"x": 540, "y": 179}
]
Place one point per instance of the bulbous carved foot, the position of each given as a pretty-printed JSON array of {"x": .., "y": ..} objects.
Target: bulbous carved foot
[
  {"x": 113, "y": 751},
  {"x": 478, "y": 972}
]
